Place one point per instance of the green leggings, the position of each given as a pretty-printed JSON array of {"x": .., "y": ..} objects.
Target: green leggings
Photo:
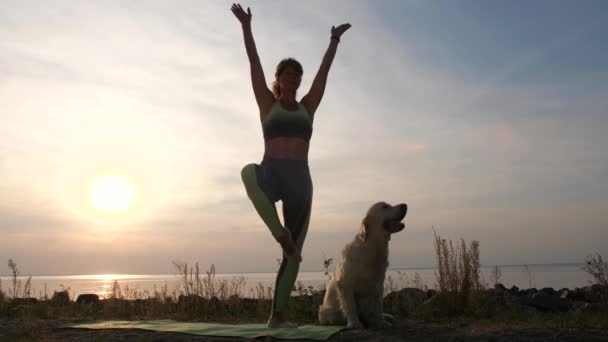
[{"x": 290, "y": 182}]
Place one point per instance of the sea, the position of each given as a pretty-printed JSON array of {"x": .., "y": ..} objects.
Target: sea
[{"x": 538, "y": 276}]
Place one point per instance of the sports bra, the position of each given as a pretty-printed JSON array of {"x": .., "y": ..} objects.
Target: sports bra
[{"x": 283, "y": 123}]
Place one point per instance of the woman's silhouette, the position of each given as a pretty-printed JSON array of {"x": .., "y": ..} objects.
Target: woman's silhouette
[{"x": 283, "y": 173}]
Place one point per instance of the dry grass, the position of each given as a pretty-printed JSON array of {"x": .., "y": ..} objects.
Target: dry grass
[
  {"x": 530, "y": 276},
  {"x": 457, "y": 274},
  {"x": 457, "y": 266},
  {"x": 597, "y": 268},
  {"x": 403, "y": 280},
  {"x": 201, "y": 296},
  {"x": 495, "y": 275},
  {"x": 193, "y": 282}
]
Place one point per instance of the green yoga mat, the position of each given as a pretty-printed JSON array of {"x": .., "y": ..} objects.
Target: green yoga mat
[{"x": 311, "y": 332}]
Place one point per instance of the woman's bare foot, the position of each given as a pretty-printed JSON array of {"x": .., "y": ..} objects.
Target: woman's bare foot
[{"x": 278, "y": 320}]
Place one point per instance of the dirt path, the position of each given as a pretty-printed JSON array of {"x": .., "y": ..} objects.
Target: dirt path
[{"x": 406, "y": 330}]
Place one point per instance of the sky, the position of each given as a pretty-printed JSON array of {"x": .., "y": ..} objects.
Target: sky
[{"x": 487, "y": 118}]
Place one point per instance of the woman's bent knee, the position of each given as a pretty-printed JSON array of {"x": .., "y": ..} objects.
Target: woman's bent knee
[{"x": 248, "y": 172}]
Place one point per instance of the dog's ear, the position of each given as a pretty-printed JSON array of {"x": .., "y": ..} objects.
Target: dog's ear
[{"x": 363, "y": 232}]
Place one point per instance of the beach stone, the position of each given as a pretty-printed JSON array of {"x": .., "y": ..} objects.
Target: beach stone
[
  {"x": 596, "y": 308},
  {"x": 400, "y": 302},
  {"x": 249, "y": 304},
  {"x": 216, "y": 304},
  {"x": 430, "y": 293},
  {"x": 519, "y": 299},
  {"x": 88, "y": 298},
  {"x": 601, "y": 291},
  {"x": 546, "y": 302},
  {"x": 23, "y": 301},
  {"x": 595, "y": 293},
  {"x": 500, "y": 289},
  {"x": 576, "y": 295},
  {"x": 408, "y": 294},
  {"x": 579, "y": 305},
  {"x": 514, "y": 290},
  {"x": 549, "y": 290},
  {"x": 61, "y": 297},
  {"x": 191, "y": 300},
  {"x": 303, "y": 299}
]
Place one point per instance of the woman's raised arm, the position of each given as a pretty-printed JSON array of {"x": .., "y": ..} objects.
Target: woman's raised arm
[
  {"x": 312, "y": 100},
  {"x": 263, "y": 95}
]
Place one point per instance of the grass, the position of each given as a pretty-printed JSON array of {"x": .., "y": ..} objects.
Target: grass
[
  {"x": 461, "y": 297},
  {"x": 458, "y": 275},
  {"x": 597, "y": 268}
]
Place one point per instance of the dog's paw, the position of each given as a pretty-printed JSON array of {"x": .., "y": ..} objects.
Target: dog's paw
[{"x": 356, "y": 324}]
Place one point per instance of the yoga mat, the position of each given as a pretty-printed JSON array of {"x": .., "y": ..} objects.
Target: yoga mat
[{"x": 311, "y": 332}]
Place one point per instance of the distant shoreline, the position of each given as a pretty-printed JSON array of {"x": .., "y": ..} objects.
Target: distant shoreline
[{"x": 307, "y": 271}]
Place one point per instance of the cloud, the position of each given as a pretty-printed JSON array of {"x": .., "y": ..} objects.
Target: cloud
[
  {"x": 412, "y": 148},
  {"x": 161, "y": 92}
]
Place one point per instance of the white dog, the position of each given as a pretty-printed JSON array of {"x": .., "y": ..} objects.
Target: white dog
[{"x": 355, "y": 291}]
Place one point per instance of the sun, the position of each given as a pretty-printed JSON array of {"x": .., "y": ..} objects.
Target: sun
[{"x": 112, "y": 193}]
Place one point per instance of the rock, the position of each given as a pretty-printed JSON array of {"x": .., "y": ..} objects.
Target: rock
[
  {"x": 433, "y": 300},
  {"x": 579, "y": 305},
  {"x": 402, "y": 301},
  {"x": 514, "y": 290},
  {"x": 249, "y": 304},
  {"x": 430, "y": 293},
  {"x": 576, "y": 295},
  {"x": 304, "y": 299},
  {"x": 549, "y": 290},
  {"x": 595, "y": 293},
  {"x": 546, "y": 302},
  {"x": 61, "y": 298},
  {"x": 499, "y": 289},
  {"x": 23, "y": 301},
  {"x": 191, "y": 301},
  {"x": 88, "y": 298},
  {"x": 215, "y": 303},
  {"x": 596, "y": 308},
  {"x": 521, "y": 299},
  {"x": 601, "y": 292},
  {"x": 407, "y": 294}
]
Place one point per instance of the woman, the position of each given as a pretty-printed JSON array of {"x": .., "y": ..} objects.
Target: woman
[{"x": 283, "y": 173}]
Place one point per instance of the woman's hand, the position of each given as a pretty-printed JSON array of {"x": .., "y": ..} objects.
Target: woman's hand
[
  {"x": 338, "y": 31},
  {"x": 240, "y": 14}
]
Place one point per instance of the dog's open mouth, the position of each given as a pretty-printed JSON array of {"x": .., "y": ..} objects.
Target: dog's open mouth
[{"x": 394, "y": 225}]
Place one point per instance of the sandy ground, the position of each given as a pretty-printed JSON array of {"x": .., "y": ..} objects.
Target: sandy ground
[{"x": 405, "y": 330}]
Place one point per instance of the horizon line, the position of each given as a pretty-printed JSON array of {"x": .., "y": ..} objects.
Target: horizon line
[{"x": 258, "y": 272}]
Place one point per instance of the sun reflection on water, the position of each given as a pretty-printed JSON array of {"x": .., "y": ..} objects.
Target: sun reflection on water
[{"x": 106, "y": 282}]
